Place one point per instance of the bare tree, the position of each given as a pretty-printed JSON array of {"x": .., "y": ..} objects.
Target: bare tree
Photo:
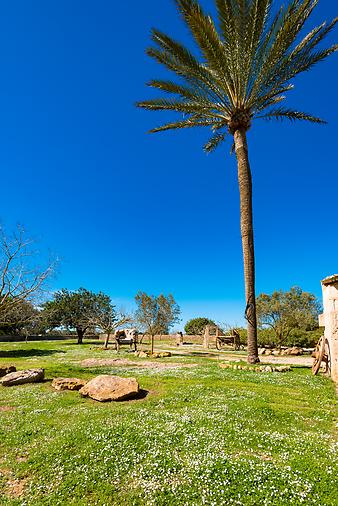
[
  {"x": 21, "y": 279},
  {"x": 110, "y": 321}
]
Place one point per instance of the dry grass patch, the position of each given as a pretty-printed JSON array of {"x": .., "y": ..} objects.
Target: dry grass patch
[{"x": 15, "y": 488}]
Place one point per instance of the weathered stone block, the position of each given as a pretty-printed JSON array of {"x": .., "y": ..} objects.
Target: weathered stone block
[
  {"x": 105, "y": 388},
  {"x": 21, "y": 377}
]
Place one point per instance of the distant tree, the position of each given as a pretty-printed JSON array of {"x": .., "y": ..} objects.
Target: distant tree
[
  {"x": 79, "y": 310},
  {"x": 21, "y": 318},
  {"x": 196, "y": 326},
  {"x": 21, "y": 278},
  {"x": 284, "y": 312},
  {"x": 156, "y": 314}
]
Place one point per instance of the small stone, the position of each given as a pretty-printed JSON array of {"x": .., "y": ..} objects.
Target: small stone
[
  {"x": 21, "y": 377},
  {"x": 165, "y": 354},
  {"x": 268, "y": 368},
  {"x": 295, "y": 351},
  {"x": 6, "y": 370},
  {"x": 68, "y": 383},
  {"x": 141, "y": 354},
  {"x": 105, "y": 388},
  {"x": 268, "y": 352}
]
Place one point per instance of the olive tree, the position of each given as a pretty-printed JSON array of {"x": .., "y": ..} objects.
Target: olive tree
[
  {"x": 156, "y": 314},
  {"x": 79, "y": 310},
  {"x": 284, "y": 312}
]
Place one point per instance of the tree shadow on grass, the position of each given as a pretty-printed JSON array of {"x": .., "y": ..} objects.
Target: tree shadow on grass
[
  {"x": 28, "y": 353},
  {"x": 73, "y": 342}
]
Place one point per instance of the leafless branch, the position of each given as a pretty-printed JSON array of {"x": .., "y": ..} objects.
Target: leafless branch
[{"x": 21, "y": 280}]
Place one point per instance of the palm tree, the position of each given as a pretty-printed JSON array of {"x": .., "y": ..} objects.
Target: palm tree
[{"x": 246, "y": 64}]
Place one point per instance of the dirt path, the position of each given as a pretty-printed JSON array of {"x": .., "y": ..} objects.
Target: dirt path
[{"x": 303, "y": 360}]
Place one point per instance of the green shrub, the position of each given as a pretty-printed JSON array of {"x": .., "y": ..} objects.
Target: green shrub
[{"x": 196, "y": 326}]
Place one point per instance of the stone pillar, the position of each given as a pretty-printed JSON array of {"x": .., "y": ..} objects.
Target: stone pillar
[
  {"x": 330, "y": 320},
  {"x": 206, "y": 337}
]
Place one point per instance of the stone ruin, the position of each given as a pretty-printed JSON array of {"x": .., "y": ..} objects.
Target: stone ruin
[{"x": 329, "y": 320}]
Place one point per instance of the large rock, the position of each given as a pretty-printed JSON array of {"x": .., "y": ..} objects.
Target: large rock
[
  {"x": 21, "y": 377},
  {"x": 295, "y": 351},
  {"x": 68, "y": 383},
  {"x": 105, "y": 388},
  {"x": 6, "y": 370}
]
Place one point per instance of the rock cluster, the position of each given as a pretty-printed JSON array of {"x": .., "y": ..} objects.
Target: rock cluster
[
  {"x": 261, "y": 368},
  {"x": 101, "y": 388},
  {"x": 21, "y": 377},
  {"x": 6, "y": 370},
  {"x": 146, "y": 354},
  {"x": 294, "y": 351}
]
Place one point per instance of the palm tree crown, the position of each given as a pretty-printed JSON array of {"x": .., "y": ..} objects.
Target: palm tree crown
[{"x": 246, "y": 65}]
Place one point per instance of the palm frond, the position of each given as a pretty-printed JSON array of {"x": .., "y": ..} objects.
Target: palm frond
[
  {"x": 281, "y": 114},
  {"x": 265, "y": 100},
  {"x": 207, "y": 38},
  {"x": 214, "y": 142},
  {"x": 180, "y": 60},
  {"x": 187, "y": 93},
  {"x": 303, "y": 57},
  {"x": 301, "y": 64},
  {"x": 177, "y": 89},
  {"x": 258, "y": 17},
  {"x": 289, "y": 23},
  {"x": 163, "y": 104},
  {"x": 193, "y": 121}
]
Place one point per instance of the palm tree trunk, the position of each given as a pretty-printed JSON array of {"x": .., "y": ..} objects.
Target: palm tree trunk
[{"x": 245, "y": 191}]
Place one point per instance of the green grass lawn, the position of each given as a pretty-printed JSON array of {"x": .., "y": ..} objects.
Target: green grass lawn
[{"x": 202, "y": 436}]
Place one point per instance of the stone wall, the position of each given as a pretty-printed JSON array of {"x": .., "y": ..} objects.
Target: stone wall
[{"x": 330, "y": 320}]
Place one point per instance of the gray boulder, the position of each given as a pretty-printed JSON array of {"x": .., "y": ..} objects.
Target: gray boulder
[{"x": 21, "y": 377}]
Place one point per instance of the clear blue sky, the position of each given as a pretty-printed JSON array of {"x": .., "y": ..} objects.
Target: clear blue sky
[{"x": 129, "y": 211}]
